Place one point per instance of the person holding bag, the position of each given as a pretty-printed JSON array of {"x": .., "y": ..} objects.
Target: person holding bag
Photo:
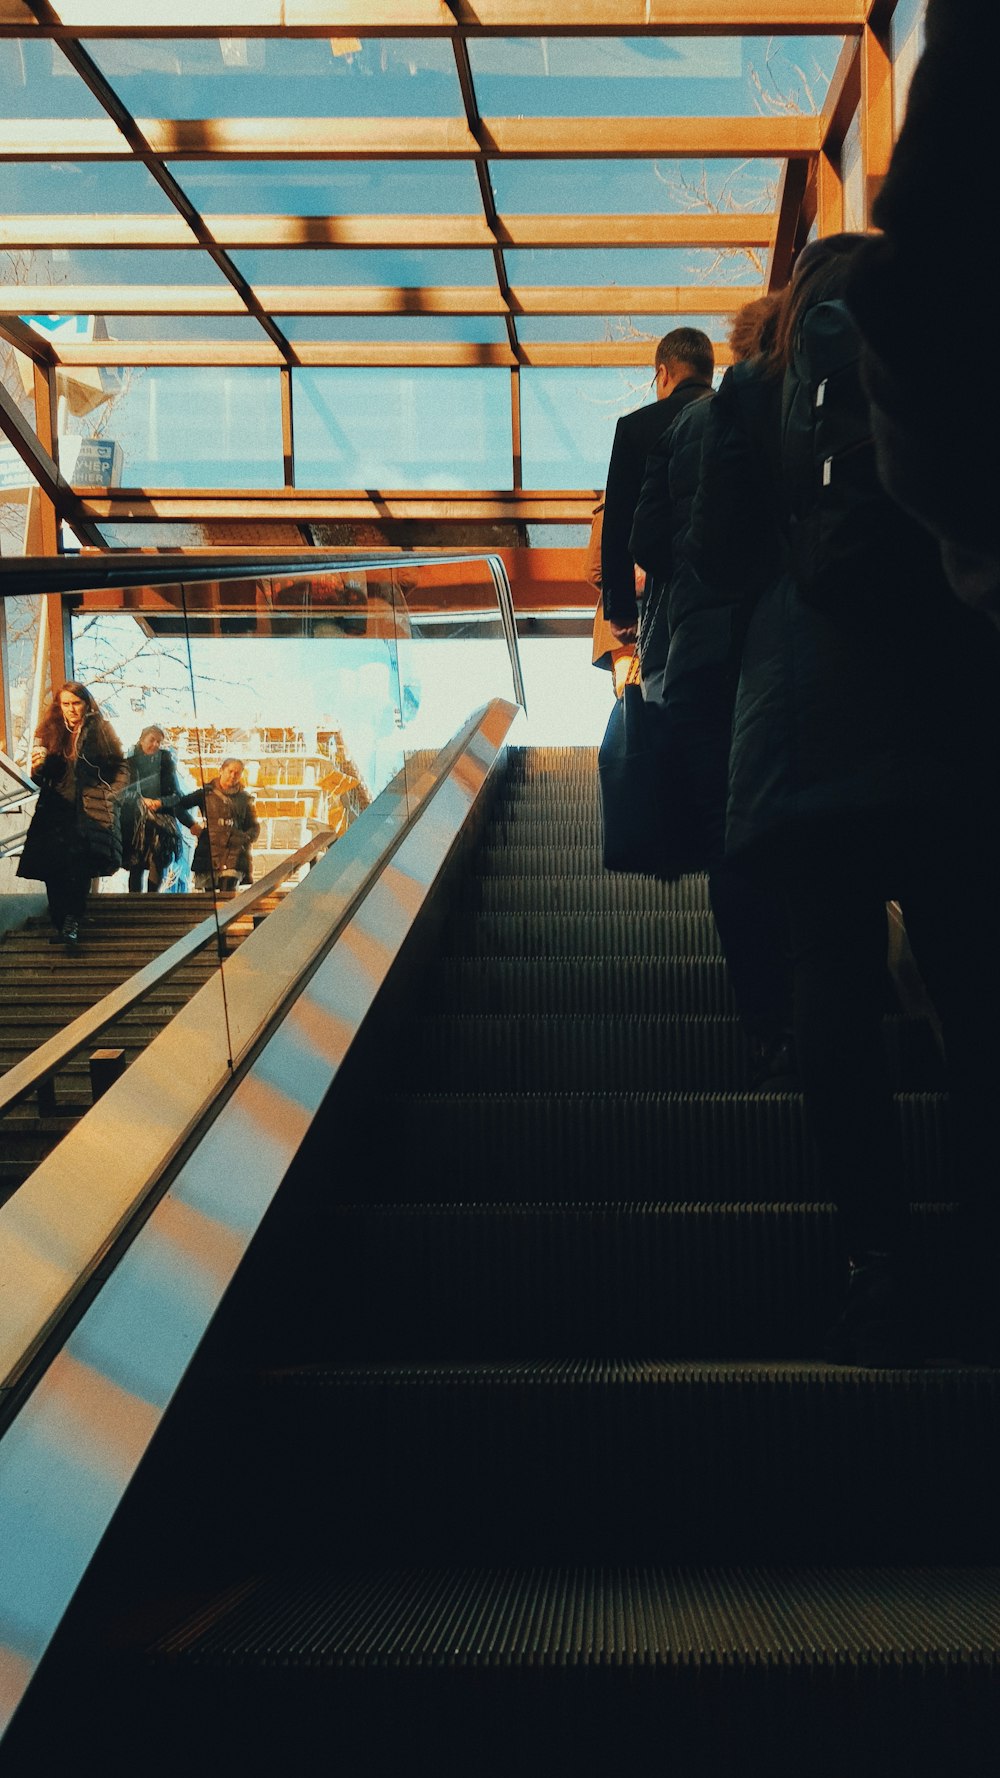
[{"x": 75, "y": 833}]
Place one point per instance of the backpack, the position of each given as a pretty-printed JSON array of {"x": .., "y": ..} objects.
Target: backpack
[{"x": 848, "y": 541}]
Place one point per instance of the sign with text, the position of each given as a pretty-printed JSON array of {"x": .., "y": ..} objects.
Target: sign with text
[{"x": 91, "y": 462}]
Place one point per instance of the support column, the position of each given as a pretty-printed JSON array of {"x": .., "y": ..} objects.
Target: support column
[
  {"x": 876, "y": 110},
  {"x": 830, "y": 195}
]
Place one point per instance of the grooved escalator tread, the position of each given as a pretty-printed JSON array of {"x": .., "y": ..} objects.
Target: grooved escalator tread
[{"x": 670, "y": 1617}]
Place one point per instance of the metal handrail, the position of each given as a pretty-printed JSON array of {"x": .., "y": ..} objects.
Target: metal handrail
[
  {"x": 26, "y": 1076},
  {"x": 14, "y": 843}
]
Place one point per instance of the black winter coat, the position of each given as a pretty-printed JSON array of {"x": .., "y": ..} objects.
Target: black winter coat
[
  {"x": 635, "y": 436},
  {"x": 231, "y": 828},
  {"x": 888, "y": 706},
  {"x": 82, "y": 832}
]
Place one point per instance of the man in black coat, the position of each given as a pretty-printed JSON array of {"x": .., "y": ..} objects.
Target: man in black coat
[{"x": 684, "y": 364}]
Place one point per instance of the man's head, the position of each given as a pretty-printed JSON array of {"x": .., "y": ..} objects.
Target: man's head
[
  {"x": 231, "y": 773},
  {"x": 681, "y": 355}
]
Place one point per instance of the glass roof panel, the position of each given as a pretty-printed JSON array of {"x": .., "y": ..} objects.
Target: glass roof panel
[
  {"x": 210, "y": 427},
  {"x": 387, "y": 329},
  {"x": 183, "y": 327},
  {"x": 282, "y": 76},
  {"x": 610, "y": 329},
  {"x": 36, "y": 80},
  {"x": 82, "y": 188},
  {"x": 633, "y": 187},
  {"x": 346, "y": 265},
  {"x": 632, "y": 265},
  {"x": 402, "y": 428},
  {"x": 568, "y": 420},
  {"x": 331, "y": 188},
  {"x": 651, "y": 76},
  {"x": 109, "y": 265}
]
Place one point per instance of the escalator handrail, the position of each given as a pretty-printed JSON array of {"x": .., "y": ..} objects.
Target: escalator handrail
[{"x": 25, "y": 1077}]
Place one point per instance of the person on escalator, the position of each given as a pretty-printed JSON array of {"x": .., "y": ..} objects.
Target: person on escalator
[
  {"x": 75, "y": 833},
  {"x": 864, "y": 767},
  {"x": 226, "y": 836},
  {"x": 150, "y": 839}
]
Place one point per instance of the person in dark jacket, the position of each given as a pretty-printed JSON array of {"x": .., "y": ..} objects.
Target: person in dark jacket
[
  {"x": 695, "y": 678},
  {"x": 864, "y": 768},
  {"x": 75, "y": 833},
  {"x": 226, "y": 836},
  {"x": 938, "y": 456},
  {"x": 150, "y": 840},
  {"x": 683, "y": 368}
]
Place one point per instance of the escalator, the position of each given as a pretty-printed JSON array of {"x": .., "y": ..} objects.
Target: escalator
[{"x": 509, "y": 1449}]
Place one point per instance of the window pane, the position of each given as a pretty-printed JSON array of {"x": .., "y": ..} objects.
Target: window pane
[
  {"x": 402, "y": 429},
  {"x": 853, "y": 175},
  {"x": 282, "y": 76},
  {"x": 907, "y": 42},
  {"x": 568, "y": 420},
  {"x": 330, "y": 188},
  {"x": 633, "y": 187},
  {"x": 182, "y": 327},
  {"x": 36, "y": 80},
  {"x": 109, "y": 265},
  {"x": 651, "y": 76},
  {"x": 633, "y": 266},
  {"x": 413, "y": 329},
  {"x": 83, "y": 188},
  {"x": 351, "y": 265},
  {"x": 204, "y": 427}
]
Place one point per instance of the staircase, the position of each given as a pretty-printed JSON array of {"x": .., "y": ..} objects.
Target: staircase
[
  {"x": 42, "y": 990},
  {"x": 511, "y": 1450}
]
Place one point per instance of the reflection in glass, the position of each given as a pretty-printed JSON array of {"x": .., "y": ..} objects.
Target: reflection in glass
[
  {"x": 25, "y": 655},
  {"x": 907, "y": 34},
  {"x": 282, "y": 76},
  {"x": 178, "y": 427},
  {"x": 182, "y": 327},
  {"x": 633, "y": 187},
  {"x": 402, "y": 428},
  {"x": 852, "y": 173},
  {"x": 568, "y": 420},
  {"x": 330, "y": 188},
  {"x": 651, "y": 76},
  {"x": 632, "y": 266}
]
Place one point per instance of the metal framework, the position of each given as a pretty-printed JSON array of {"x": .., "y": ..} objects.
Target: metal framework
[{"x": 809, "y": 193}]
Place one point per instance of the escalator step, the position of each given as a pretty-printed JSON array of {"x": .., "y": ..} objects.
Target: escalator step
[
  {"x": 523, "y": 1460},
  {"x": 664, "y": 934},
  {"x": 563, "y": 985},
  {"x": 503, "y": 894},
  {"x": 570, "y": 859},
  {"x": 548, "y": 1053},
  {"x": 811, "y": 1617},
  {"x": 706, "y": 1146}
]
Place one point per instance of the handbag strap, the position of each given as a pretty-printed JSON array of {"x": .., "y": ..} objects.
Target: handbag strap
[{"x": 634, "y": 674}]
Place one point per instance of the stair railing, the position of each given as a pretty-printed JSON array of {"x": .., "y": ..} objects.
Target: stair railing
[{"x": 36, "y": 1072}]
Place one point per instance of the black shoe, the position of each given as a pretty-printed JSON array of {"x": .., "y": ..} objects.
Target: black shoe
[
  {"x": 71, "y": 936},
  {"x": 773, "y": 1067},
  {"x": 876, "y": 1326}
]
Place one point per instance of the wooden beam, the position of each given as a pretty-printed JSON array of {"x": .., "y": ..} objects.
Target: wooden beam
[
  {"x": 829, "y": 196},
  {"x": 151, "y": 506},
  {"x": 287, "y": 428},
  {"x": 413, "y": 138},
  {"x": 48, "y": 437},
  {"x": 687, "y": 230},
  {"x": 43, "y": 468},
  {"x": 431, "y": 18},
  {"x": 32, "y": 344},
  {"x": 843, "y": 97},
  {"x": 877, "y": 130},
  {"x": 376, "y": 299},
  {"x": 361, "y": 354},
  {"x": 791, "y": 194}
]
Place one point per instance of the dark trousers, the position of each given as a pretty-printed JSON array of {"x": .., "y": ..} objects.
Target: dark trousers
[
  {"x": 153, "y": 880},
  {"x": 67, "y": 895},
  {"x": 750, "y": 916},
  {"x": 946, "y": 876}
]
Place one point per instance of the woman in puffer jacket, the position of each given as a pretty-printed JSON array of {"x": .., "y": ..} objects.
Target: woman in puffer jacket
[
  {"x": 864, "y": 768},
  {"x": 75, "y": 833}
]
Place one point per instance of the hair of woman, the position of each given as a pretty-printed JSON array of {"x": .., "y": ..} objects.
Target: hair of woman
[
  {"x": 53, "y": 731},
  {"x": 820, "y": 274}
]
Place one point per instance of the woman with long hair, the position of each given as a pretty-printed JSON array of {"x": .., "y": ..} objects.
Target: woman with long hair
[
  {"x": 150, "y": 840},
  {"x": 75, "y": 833}
]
